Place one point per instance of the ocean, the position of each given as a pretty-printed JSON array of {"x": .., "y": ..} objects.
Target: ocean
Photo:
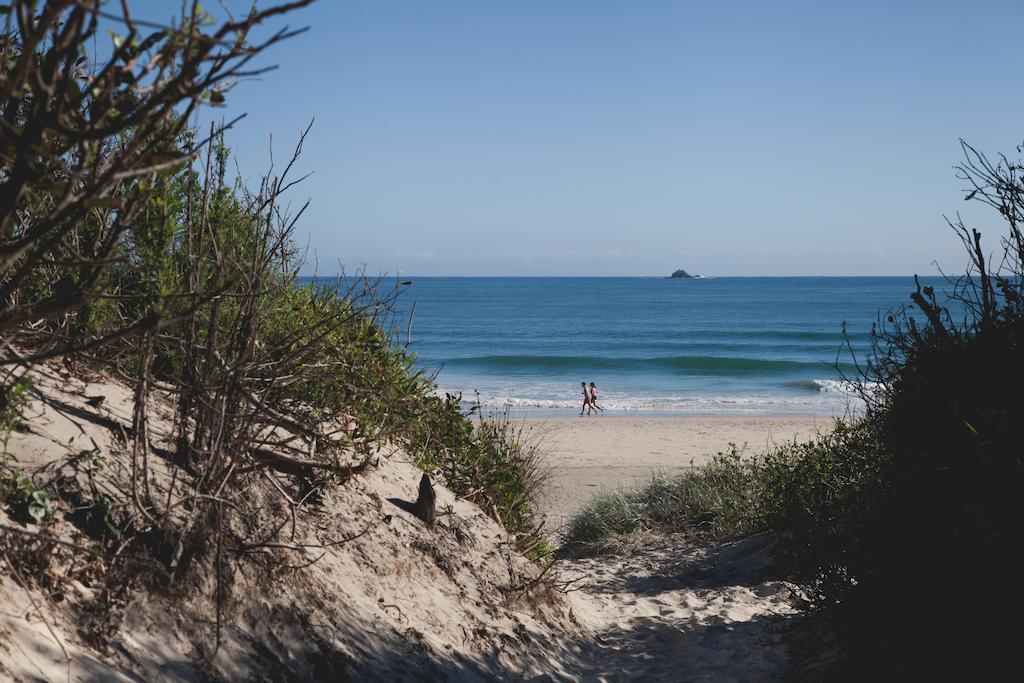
[{"x": 709, "y": 346}]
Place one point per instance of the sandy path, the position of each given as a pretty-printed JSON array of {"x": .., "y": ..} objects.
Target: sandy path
[
  {"x": 591, "y": 454},
  {"x": 685, "y": 612},
  {"x": 680, "y": 611}
]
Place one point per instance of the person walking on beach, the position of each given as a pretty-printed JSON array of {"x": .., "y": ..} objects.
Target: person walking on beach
[
  {"x": 593, "y": 398},
  {"x": 586, "y": 399}
]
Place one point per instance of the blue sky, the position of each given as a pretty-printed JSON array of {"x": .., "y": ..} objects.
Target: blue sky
[{"x": 633, "y": 138}]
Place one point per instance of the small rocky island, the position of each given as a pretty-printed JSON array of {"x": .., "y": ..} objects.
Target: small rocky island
[{"x": 682, "y": 275}]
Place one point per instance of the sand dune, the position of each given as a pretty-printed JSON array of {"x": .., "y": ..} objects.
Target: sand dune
[{"x": 399, "y": 601}]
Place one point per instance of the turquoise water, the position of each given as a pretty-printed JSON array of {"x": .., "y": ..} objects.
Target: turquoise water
[{"x": 652, "y": 345}]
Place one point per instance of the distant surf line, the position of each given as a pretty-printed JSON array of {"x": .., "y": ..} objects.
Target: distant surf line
[{"x": 697, "y": 365}]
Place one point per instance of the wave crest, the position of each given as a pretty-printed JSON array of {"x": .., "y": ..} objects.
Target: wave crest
[
  {"x": 838, "y": 386},
  {"x": 693, "y": 365}
]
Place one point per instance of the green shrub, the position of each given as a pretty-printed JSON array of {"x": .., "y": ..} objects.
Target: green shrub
[
  {"x": 921, "y": 498},
  {"x": 822, "y": 498}
]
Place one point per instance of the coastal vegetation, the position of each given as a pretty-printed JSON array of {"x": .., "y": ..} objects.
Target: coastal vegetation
[
  {"x": 880, "y": 517},
  {"x": 127, "y": 252}
]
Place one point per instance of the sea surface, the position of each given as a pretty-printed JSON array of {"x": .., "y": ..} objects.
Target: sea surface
[{"x": 709, "y": 346}]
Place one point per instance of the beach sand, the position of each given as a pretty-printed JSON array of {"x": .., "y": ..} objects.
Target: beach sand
[{"x": 591, "y": 454}]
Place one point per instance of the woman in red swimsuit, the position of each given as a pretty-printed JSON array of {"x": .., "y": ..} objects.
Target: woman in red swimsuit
[{"x": 593, "y": 397}]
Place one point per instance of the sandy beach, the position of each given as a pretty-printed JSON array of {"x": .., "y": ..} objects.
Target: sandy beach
[{"x": 589, "y": 454}]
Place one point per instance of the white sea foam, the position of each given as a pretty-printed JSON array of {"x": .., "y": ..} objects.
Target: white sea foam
[
  {"x": 836, "y": 385},
  {"x": 847, "y": 387},
  {"x": 831, "y": 401}
]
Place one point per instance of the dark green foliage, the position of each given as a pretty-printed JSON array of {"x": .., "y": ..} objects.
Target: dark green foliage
[
  {"x": 907, "y": 526},
  {"x": 14, "y": 395},
  {"x": 946, "y": 516},
  {"x": 822, "y": 498},
  {"x": 361, "y": 374}
]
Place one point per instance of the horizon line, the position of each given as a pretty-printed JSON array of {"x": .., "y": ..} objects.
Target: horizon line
[{"x": 636, "y": 277}]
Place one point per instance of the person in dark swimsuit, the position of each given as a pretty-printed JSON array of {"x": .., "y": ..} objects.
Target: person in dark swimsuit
[
  {"x": 586, "y": 399},
  {"x": 593, "y": 398}
]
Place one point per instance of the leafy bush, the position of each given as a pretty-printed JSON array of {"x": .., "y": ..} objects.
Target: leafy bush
[
  {"x": 818, "y": 495},
  {"x": 87, "y": 143},
  {"x": 933, "y": 506},
  {"x": 823, "y": 497}
]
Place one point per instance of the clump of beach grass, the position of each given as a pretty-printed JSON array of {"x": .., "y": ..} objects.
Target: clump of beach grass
[{"x": 714, "y": 500}]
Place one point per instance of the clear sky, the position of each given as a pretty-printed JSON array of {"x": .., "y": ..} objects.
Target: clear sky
[{"x": 596, "y": 137}]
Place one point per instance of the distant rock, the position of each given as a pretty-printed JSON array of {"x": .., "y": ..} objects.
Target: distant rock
[{"x": 682, "y": 274}]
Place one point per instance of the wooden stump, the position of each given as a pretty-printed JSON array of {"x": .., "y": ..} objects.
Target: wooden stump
[{"x": 426, "y": 501}]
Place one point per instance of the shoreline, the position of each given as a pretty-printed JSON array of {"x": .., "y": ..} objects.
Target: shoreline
[
  {"x": 836, "y": 401},
  {"x": 553, "y": 416},
  {"x": 588, "y": 456}
]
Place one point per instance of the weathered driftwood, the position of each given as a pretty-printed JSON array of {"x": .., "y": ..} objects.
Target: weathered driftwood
[{"x": 426, "y": 501}]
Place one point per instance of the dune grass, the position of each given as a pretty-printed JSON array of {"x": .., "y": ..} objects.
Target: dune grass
[{"x": 713, "y": 500}]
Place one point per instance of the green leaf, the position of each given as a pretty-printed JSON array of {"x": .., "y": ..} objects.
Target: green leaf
[
  {"x": 36, "y": 512},
  {"x": 39, "y": 507}
]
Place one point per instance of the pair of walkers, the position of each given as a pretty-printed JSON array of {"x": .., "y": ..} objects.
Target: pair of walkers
[{"x": 589, "y": 399}]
